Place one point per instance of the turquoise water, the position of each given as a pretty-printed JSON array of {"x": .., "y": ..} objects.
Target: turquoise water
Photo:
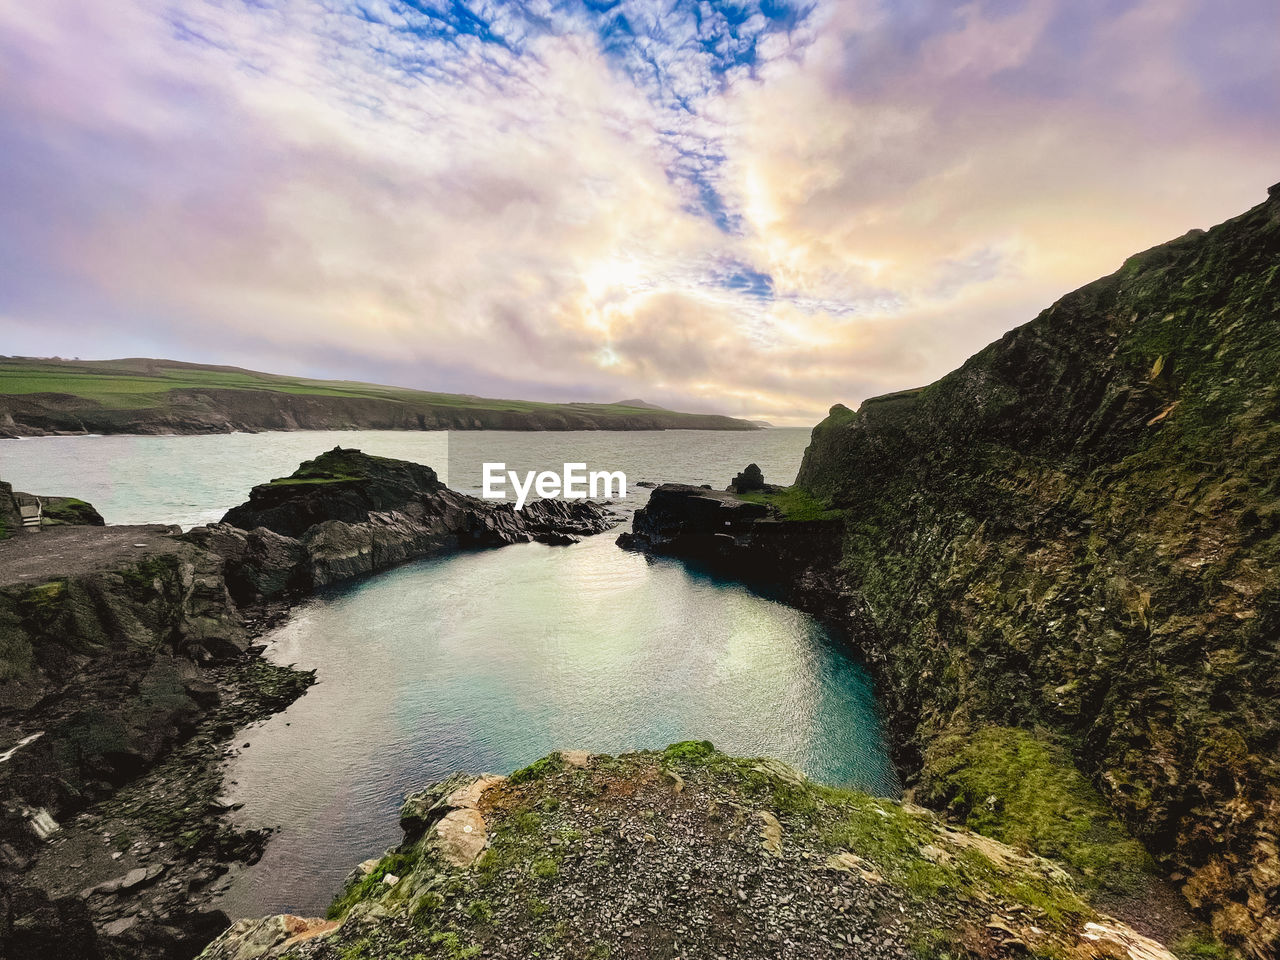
[{"x": 486, "y": 661}]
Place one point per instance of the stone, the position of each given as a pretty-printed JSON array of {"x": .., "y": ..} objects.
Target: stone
[
  {"x": 749, "y": 480},
  {"x": 118, "y": 927},
  {"x": 770, "y": 832},
  {"x": 462, "y": 837}
]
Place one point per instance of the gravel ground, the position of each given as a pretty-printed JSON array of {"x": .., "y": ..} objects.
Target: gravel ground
[{"x": 685, "y": 854}]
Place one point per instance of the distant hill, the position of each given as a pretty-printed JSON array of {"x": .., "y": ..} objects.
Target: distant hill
[{"x": 146, "y": 396}]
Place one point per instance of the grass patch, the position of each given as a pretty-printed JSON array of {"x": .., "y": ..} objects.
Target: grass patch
[
  {"x": 397, "y": 863},
  {"x": 1202, "y": 945},
  {"x": 1024, "y": 790},
  {"x": 794, "y": 504},
  {"x": 69, "y": 510},
  {"x": 548, "y": 765}
]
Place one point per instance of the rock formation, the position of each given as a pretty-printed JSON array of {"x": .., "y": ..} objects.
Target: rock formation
[{"x": 750, "y": 480}]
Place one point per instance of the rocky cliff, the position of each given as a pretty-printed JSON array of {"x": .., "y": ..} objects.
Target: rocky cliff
[
  {"x": 118, "y": 644},
  {"x": 1063, "y": 563},
  {"x": 686, "y": 853},
  {"x": 346, "y": 514}
]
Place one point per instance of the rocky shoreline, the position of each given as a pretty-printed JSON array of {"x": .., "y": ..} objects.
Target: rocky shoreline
[{"x": 129, "y": 663}]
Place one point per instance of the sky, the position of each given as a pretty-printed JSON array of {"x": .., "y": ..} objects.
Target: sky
[{"x": 757, "y": 208}]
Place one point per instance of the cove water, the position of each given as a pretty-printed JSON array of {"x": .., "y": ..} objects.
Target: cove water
[{"x": 486, "y": 661}]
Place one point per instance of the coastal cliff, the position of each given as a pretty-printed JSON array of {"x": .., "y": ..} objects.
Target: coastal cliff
[
  {"x": 126, "y": 663},
  {"x": 1062, "y": 561}
]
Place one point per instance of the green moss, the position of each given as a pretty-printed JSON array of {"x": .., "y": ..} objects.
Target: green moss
[
  {"x": 548, "y": 765},
  {"x": 58, "y": 511},
  {"x": 544, "y": 868},
  {"x": 690, "y": 751},
  {"x": 481, "y": 911},
  {"x": 38, "y": 607},
  {"x": 1202, "y": 945},
  {"x": 1024, "y": 790},
  {"x": 398, "y": 863},
  {"x": 453, "y": 947},
  {"x": 142, "y": 577},
  {"x": 795, "y": 504}
]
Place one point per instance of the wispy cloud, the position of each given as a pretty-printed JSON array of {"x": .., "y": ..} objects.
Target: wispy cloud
[{"x": 761, "y": 208}]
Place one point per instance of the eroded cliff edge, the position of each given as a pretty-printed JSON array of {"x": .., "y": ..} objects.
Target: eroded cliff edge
[{"x": 1070, "y": 548}]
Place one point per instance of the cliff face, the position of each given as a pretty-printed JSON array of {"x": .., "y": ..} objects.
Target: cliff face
[
  {"x": 686, "y": 853},
  {"x": 1079, "y": 530}
]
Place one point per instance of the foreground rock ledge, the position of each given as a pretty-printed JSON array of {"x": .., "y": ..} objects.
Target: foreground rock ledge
[{"x": 687, "y": 853}]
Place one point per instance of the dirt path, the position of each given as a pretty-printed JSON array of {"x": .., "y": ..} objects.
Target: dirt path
[{"x": 58, "y": 552}]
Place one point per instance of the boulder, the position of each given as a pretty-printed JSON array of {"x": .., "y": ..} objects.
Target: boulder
[{"x": 749, "y": 480}]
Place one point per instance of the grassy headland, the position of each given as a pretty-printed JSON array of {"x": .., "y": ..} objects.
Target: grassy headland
[{"x": 166, "y": 396}]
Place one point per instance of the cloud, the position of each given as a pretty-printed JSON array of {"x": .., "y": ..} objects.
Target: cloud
[{"x": 760, "y": 209}]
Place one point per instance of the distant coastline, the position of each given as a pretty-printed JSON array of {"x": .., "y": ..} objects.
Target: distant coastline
[{"x": 54, "y": 397}]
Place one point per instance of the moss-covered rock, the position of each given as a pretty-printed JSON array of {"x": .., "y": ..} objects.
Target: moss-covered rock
[{"x": 68, "y": 511}]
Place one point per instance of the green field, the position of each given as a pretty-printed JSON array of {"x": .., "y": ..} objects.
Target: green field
[{"x": 143, "y": 384}]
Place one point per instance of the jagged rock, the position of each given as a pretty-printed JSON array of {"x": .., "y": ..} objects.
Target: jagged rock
[
  {"x": 350, "y": 514},
  {"x": 687, "y": 519},
  {"x": 258, "y": 564},
  {"x": 269, "y": 937}
]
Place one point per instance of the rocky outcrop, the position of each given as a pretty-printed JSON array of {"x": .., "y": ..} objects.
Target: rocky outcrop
[
  {"x": 754, "y": 542},
  {"x": 687, "y": 852},
  {"x": 750, "y": 480},
  {"x": 347, "y": 514},
  {"x": 57, "y": 511},
  {"x": 102, "y": 653}
]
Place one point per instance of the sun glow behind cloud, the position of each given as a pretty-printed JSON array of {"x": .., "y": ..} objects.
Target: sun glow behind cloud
[{"x": 759, "y": 209}]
